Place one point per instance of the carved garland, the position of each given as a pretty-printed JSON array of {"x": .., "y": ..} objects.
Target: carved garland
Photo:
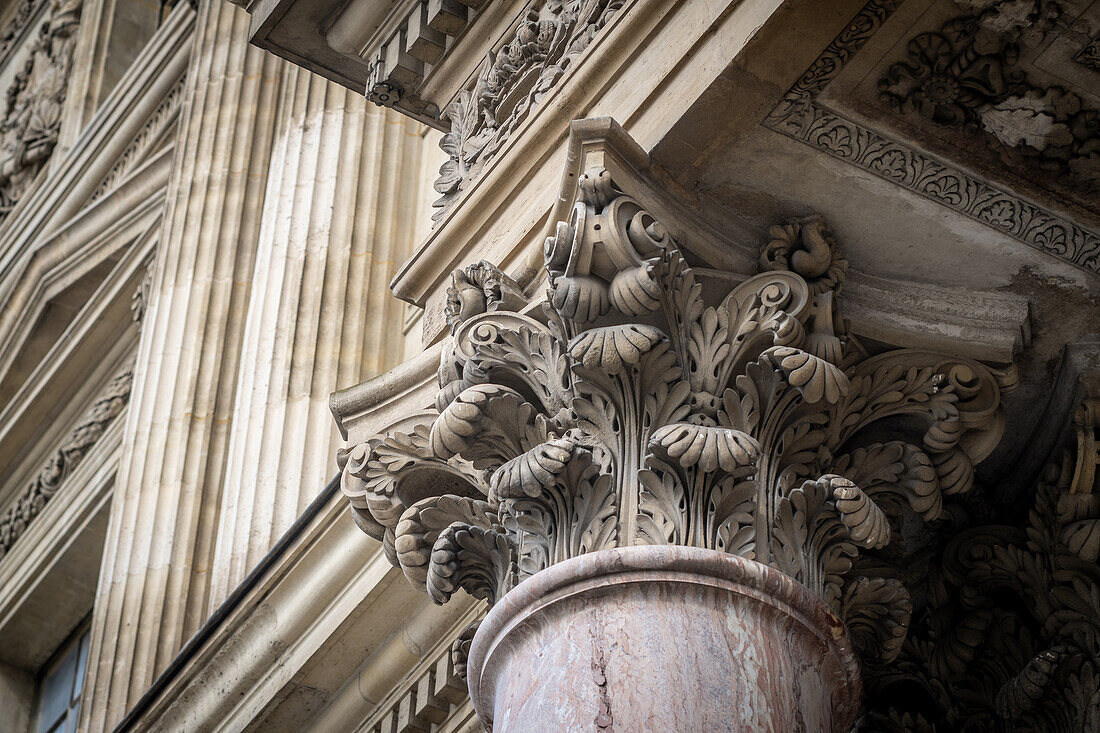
[
  {"x": 66, "y": 458},
  {"x": 634, "y": 408}
]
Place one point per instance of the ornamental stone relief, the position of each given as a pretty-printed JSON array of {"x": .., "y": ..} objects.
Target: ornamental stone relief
[
  {"x": 510, "y": 86},
  {"x": 831, "y": 127},
  {"x": 635, "y": 405},
  {"x": 29, "y": 130},
  {"x": 967, "y": 74}
]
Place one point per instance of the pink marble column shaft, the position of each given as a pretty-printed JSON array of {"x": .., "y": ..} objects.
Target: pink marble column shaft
[{"x": 663, "y": 638}]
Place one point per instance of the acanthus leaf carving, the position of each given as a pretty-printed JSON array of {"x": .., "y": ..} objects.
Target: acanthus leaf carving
[
  {"x": 876, "y": 612},
  {"x": 637, "y": 408},
  {"x": 1014, "y": 644}
]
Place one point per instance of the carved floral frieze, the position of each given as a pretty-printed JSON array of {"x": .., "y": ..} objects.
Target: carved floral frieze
[
  {"x": 511, "y": 84},
  {"x": 87, "y": 432},
  {"x": 636, "y": 406}
]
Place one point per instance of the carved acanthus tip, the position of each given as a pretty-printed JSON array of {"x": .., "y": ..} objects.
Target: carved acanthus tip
[{"x": 480, "y": 288}]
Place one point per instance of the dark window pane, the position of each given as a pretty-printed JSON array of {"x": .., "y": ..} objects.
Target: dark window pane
[
  {"x": 60, "y": 689},
  {"x": 55, "y": 692}
]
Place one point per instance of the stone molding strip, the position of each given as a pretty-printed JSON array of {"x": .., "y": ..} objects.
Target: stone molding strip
[
  {"x": 161, "y": 122},
  {"x": 798, "y": 116}
]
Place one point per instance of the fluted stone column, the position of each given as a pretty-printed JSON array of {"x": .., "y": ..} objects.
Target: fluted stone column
[
  {"x": 344, "y": 199},
  {"x": 154, "y": 581}
]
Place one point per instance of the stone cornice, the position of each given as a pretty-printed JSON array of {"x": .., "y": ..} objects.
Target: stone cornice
[
  {"x": 799, "y": 116},
  {"x": 43, "y": 402},
  {"x": 36, "y": 567},
  {"x": 161, "y": 124}
]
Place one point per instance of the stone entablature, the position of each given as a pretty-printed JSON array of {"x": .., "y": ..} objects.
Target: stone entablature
[
  {"x": 391, "y": 52},
  {"x": 963, "y": 84},
  {"x": 641, "y": 404},
  {"x": 415, "y": 44}
]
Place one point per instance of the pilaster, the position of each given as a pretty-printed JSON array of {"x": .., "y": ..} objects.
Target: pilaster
[{"x": 153, "y": 585}]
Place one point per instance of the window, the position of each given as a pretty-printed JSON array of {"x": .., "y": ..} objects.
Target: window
[{"x": 61, "y": 685}]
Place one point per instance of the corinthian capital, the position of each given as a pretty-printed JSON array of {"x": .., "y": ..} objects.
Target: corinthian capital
[{"x": 642, "y": 404}]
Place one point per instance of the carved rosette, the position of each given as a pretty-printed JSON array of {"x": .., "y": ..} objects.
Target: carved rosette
[{"x": 634, "y": 406}]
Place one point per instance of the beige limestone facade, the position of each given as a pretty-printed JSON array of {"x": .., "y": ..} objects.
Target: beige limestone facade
[{"x": 518, "y": 365}]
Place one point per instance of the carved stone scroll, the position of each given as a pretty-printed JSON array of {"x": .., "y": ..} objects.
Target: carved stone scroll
[{"x": 633, "y": 406}]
